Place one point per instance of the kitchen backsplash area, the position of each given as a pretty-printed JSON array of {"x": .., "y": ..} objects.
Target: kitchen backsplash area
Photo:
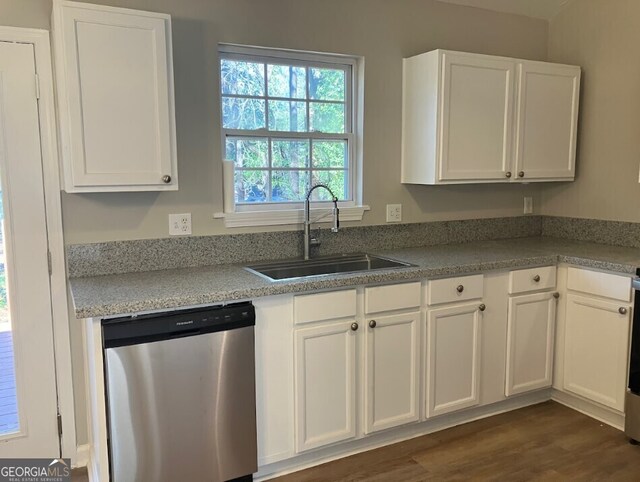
[
  {"x": 185, "y": 252},
  {"x": 616, "y": 233},
  {"x": 188, "y": 252}
]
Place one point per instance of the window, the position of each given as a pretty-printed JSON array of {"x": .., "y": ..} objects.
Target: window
[{"x": 288, "y": 124}]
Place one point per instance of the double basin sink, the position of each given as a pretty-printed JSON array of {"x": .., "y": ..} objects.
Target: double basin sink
[{"x": 352, "y": 263}]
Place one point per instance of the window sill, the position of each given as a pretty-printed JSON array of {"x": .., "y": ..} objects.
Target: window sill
[{"x": 290, "y": 216}]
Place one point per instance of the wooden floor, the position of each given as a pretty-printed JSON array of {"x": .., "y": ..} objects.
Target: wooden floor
[{"x": 543, "y": 442}]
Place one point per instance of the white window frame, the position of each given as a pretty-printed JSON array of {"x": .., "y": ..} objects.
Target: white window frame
[{"x": 265, "y": 214}]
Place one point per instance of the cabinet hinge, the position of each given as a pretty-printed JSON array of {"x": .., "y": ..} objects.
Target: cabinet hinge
[
  {"x": 49, "y": 263},
  {"x": 37, "y": 86},
  {"x": 59, "y": 425}
]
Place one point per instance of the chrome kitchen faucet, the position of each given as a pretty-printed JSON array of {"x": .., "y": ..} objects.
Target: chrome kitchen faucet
[{"x": 308, "y": 240}]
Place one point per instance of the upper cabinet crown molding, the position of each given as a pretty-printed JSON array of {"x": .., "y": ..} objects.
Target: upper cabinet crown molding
[
  {"x": 114, "y": 80},
  {"x": 471, "y": 118}
]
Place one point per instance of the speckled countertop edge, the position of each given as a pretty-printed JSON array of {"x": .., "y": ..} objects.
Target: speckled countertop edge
[{"x": 110, "y": 295}]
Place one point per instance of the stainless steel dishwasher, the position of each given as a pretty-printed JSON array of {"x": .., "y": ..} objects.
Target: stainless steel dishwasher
[{"x": 181, "y": 395}]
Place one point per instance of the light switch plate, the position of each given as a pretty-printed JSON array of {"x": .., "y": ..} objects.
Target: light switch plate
[
  {"x": 528, "y": 205},
  {"x": 394, "y": 213},
  {"x": 180, "y": 224}
]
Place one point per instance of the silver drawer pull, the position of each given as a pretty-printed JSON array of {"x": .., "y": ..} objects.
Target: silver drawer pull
[
  {"x": 460, "y": 288},
  {"x": 536, "y": 278},
  {"x": 556, "y": 295},
  {"x": 622, "y": 310},
  {"x": 354, "y": 327},
  {"x": 372, "y": 324},
  {"x": 482, "y": 307}
]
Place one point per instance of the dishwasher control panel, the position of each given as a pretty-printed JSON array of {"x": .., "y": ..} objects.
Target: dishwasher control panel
[{"x": 175, "y": 324}]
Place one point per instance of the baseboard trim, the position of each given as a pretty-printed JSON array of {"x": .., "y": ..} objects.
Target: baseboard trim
[
  {"x": 82, "y": 456},
  {"x": 591, "y": 409},
  {"x": 399, "y": 434}
]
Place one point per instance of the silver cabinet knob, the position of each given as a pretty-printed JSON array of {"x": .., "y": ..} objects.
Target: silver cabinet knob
[
  {"x": 507, "y": 174},
  {"x": 354, "y": 327},
  {"x": 460, "y": 289},
  {"x": 622, "y": 310},
  {"x": 556, "y": 295},
  {"x": 166, "y": 179},
  {"x": 372, "y": 324},
  {"x": 521, "y": 174},
  {"x": 482, "y": 307},
  {"x": 536, "y": 278}
]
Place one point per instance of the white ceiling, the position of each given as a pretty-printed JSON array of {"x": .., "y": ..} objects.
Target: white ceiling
[{"x": 532, "y": 8}]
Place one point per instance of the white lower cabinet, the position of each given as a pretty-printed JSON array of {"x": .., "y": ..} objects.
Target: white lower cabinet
[
  {"x": 325, "y": 384},
  {"x": 392, "y": 361},
  {"x": 453, "y": 357},
  {"x": 596, "y": 349},
  {"x": 530, "y": 337},
  {"x": 335, "y": 366}
]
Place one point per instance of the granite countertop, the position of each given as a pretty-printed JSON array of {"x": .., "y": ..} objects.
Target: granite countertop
[{"x": 119, "y": 294}]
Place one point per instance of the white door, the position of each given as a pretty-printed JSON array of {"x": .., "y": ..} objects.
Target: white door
[
  {"x": 115, "y": 90},
  {"x": 28, "y": 423},
  {"x": 530, "y": 336},
  {"x": 325, "y": 378},
  {"x": 547, "y": 120},
  {"x": 477, "y": 118},
  {"x": 392, "y": 357},
  {"x": 453, "y": 358},
  {"x": 596, "y": 355}
]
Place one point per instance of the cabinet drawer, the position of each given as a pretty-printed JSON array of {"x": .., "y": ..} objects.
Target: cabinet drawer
[
  {"x": 532, "y": 279},
  {"x": 455, "y": 289},
  {"x": 392, "y": 297},
  {"x": 324, "y": 306},
  {"x": 600, "y": 284}
]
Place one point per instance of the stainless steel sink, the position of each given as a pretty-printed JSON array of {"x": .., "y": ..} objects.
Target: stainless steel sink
[{"x": 351, "y": 263}]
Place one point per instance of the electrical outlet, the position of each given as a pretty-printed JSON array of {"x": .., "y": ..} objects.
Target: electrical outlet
[
  {"x": 528, "y": 205},
  {"x": 394, "y": 213},
  {"x": 180, "y": 224}
]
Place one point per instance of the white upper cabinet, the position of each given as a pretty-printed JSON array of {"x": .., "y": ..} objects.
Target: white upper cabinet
[
  {"x": 477, "y": 106},
  {"x": 114, "y": 79},
  {"x": 470, "y": 118},
  {"x": 547, "y": 120}
]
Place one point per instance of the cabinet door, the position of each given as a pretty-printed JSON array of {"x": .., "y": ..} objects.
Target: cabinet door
[
  {"x": 596, "y": 350},
  {"x": 477, "y": 96},
  {"x": 392, "y": 357},
  {"x": 115, "y": 88},
  {"x": 530, "y": 336},
  {"x": 325, "y": 394},
  {"x": 453, "y": 358},
  {"x": 547, "y": 121}
]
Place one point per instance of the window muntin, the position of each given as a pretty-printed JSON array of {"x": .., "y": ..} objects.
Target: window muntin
[{"x": 287, "y": 124}]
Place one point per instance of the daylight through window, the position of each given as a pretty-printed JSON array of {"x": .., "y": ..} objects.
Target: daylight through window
[{"x": 287, "y": 125}]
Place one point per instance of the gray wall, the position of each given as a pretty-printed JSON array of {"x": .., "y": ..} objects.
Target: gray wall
[
  {"x": 383, "y": 31},
  {"x": 602, "y": 37}
]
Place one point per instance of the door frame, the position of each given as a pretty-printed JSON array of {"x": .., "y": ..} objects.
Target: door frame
[{"x": 58, "y": 279}]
